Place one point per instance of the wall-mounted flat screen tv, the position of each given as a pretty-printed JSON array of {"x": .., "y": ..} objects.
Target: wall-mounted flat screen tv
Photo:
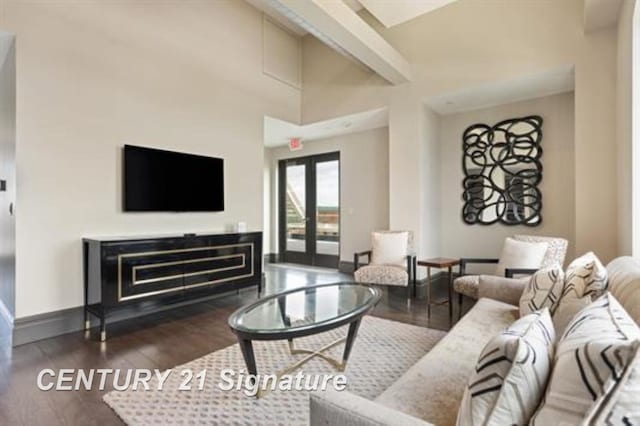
[{"x": 156, "y": 180}]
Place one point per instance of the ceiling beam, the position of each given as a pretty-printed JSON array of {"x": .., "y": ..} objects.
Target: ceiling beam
[{"x": 336, "y": 25}]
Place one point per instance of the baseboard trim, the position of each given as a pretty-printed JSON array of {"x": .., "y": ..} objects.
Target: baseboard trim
[
  {"x": 345, "y": 267},
  {"x": 43, "y": 326},
  {"x": 51, "y": 324}
]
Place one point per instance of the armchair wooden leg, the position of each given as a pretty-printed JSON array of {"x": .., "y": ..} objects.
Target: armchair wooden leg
[{"x": 459, "y": 305}]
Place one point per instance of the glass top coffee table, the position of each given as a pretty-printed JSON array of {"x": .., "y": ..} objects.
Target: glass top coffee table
[{"x": 302, "y": 312}]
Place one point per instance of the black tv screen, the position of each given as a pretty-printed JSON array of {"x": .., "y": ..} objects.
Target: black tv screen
[{"x": 158, "y": 180}]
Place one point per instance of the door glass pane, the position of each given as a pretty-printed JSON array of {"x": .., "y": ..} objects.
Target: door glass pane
[
  {"x": 328, "y": 207},
  {"x": 296, "y": 210}
]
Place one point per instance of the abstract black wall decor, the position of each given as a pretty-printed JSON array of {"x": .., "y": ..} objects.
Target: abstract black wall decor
[{"x": 502, "y": 170}]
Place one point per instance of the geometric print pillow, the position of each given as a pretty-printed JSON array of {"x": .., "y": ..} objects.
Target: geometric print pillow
[
  {"x": 511, "y": 374},
  {"x": 544, "y": 290},
  {"x": 586, "y": 276},
  {"x": 595, "y": 348},
  {"x": 621, "y": 404}
]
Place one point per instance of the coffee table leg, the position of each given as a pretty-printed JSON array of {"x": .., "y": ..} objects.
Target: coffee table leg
[
  {"x": 351, "y": 337},
  {"x": 247, "y": 353}
]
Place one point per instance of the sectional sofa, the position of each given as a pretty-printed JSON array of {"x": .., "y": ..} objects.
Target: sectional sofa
[{"x": 430, "y": 392}]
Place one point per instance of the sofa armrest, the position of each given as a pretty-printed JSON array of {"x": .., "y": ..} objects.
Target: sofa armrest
[
  {"x": 357, "y": 256},
  {"x": 330, "y": 407},
  {"x": 507, "y": 290},
  {"x": 466, "y": 260}
]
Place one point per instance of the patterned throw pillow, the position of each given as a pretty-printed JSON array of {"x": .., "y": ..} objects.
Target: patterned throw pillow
[
  {"x": 595, "y": 347},
  {"x": 544, "y": 290},
  {"x": 511, "y": 374},
  {"x": 620, "y": 405},
  {"x": 586, "y": 276}
]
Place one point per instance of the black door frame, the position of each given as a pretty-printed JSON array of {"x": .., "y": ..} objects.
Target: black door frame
[{"x": 310, "y": 255}]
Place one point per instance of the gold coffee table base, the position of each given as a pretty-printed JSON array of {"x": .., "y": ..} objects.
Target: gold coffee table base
[{"x": 338, "y": 365}]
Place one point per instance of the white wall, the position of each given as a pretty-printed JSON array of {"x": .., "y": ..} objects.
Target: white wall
[
  {"x": 93, "y": 75},
  {"x": 364, "y": 185},
  {"x": 451, "y": 51},
  {"x": 431, "y": 179},
  {"x": 557, "y": 186}
]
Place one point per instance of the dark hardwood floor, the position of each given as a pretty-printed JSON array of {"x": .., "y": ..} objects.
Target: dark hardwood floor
[{"x": 162, "y": 341}]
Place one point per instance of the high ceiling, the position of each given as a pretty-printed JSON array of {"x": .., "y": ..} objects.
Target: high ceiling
[
  {"x": 338, "y": 24},
  {"x": 395, "y": 12},
  {"x": 279, "y": 132}
]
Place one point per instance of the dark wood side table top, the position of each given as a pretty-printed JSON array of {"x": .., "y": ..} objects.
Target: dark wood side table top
[{"x": 439, "y": 262}]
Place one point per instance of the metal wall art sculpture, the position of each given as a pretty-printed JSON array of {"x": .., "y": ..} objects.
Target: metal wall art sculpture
[{"x": 502, "y": 171}]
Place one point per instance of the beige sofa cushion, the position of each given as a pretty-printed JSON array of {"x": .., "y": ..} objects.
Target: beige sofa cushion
[
  {"x": 520, "y": 254},
  {"x": 507, "y": 290},
  {"x": 595, "y": 346},
  {"x": 433, "y": 388},
  {"x": 624, "y": 284},
  {"x": 567, "y": 310},
  {"x": 511, "y": 374}
]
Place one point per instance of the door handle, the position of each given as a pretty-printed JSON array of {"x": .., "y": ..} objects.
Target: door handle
[{"x": 11, "y": 209}]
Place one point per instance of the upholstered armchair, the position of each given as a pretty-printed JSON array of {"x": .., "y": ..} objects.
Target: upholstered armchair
[
  {"x": 523, "y": 257},
  {"x": 390, "y": 261}
]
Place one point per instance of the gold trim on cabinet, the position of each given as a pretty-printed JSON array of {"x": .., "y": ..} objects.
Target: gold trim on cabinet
[
  {"x": 135, "y": 280},
  {"x": 168, "y": 290}
]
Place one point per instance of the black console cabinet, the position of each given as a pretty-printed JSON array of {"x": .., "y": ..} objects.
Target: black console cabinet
[{"x": 137, "y": 275}]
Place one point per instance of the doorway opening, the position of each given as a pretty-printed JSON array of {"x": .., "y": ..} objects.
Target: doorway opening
[{"x": 309, "y": 210}]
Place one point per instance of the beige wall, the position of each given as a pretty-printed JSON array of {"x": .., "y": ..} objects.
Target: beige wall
[
  {"x": 624, "y": 139},
  {"x": 94, "y": 75},
  {"x": 451, "y": 51},
  {"x": 364, "y": 185},
  {"x": 557, "y": 186}
]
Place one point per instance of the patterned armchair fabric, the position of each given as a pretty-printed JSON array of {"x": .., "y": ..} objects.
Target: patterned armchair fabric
[
  {"x": 557, "y": 249},
  {"x": 382, "y": 274},
  {"x": 386, "y": 274}
]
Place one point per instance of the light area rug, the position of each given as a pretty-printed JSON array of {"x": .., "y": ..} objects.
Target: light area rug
[{"x": 382, "y": 352}]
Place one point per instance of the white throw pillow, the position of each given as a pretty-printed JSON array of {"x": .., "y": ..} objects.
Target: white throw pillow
[
  {"x": 620, "y": 404},
  {"x": 595, "y": 346},
  {"x": 586, "y": 276},
  {"x": 511, "y": 374},
  {"x": 389, "y": 248},
  {"x": 520, "y": 254},
  {"x": 544, "y": 290}
]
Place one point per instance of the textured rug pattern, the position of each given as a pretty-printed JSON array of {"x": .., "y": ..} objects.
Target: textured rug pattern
[{"x": 382, "y": 352}]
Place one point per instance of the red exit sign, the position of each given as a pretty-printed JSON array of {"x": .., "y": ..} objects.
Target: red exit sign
[{"x": 295, "y": 144}]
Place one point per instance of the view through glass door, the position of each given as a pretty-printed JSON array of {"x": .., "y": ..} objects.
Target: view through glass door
[{"x": 309, "y": 201}]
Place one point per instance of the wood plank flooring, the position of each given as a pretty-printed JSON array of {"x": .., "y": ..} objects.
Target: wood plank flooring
[{"x": 161, "y": 340}]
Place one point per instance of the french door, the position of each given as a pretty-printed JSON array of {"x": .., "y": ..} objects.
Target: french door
[{"x": 309, "y": 210}]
